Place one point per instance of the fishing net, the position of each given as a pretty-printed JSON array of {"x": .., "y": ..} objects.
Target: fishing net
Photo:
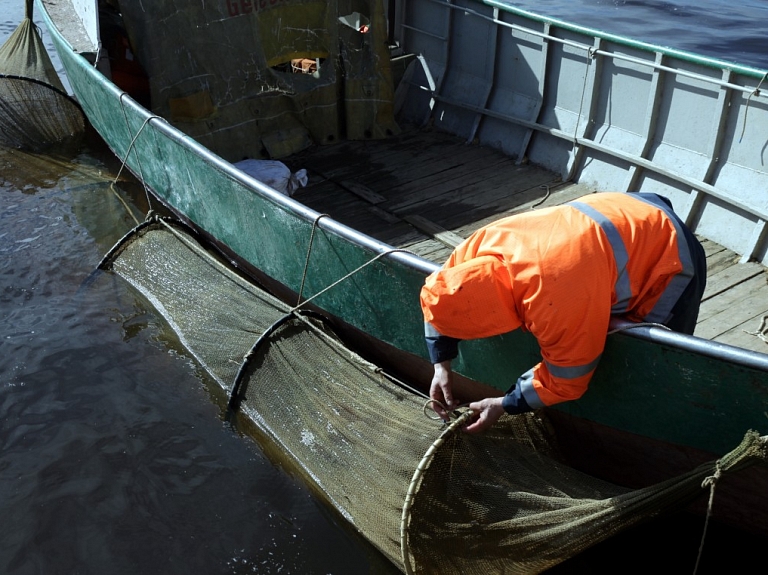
[
  {"x": 431, "y": 498},
  {"x": 288, "y": 74},
  {"x": 35, "y": 110}
]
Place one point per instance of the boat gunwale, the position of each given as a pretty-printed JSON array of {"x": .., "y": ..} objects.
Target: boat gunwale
[{"x": 662, "y": 335}]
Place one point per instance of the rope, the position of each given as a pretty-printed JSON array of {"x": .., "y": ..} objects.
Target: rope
[
  {"x": 445, "y": 409},
  {"x": 122, "y": 201},
  {"x": 350, "y": 274},
  {"x": 399, "y": 382},
  {"x": 544, "y": 199},
  {"x": 309, "y": 251},
  {"x": 430, "y": 415},
  {"x": 710, "y": 482},
  {"x": 591, "y": 51},
  {"x": 755, "y": 92},
  {"x": 130, "y": 147},
  {"x": 98, "y": 56},
  {"x": 636, "y": 325},
  {"x": 590, "y": 57},
  {"x": 761, "y": 330}
]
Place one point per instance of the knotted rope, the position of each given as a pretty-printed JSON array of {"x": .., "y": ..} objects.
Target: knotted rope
[{"x": 710, "y": 482}]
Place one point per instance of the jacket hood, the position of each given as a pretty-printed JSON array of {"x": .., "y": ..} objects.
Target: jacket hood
[{"x": 471, "y": 300}]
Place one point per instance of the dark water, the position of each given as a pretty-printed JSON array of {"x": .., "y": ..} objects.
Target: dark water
[
  {"x": 114, "y": 457},
  {"x": 732, "y": 31}
]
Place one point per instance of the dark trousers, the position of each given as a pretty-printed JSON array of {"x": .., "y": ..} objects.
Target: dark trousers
[{"x": 686, "y": 311}]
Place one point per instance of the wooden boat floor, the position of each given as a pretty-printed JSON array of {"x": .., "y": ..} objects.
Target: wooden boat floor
[{"x": 425, "y": 191}]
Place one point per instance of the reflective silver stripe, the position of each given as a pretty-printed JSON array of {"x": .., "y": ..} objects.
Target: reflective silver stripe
[
  {"x": 620, "y": 256},
  {"x": 430, "y": 331},
  {"x": 663, "y": 308},
  {"x": 572, "y": 372},
  {"x": 525, "y": 382}
]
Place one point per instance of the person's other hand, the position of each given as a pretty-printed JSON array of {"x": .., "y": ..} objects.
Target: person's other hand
[
  {"x": 440, "y": 390},
  {"x": 486, "y": 413}
]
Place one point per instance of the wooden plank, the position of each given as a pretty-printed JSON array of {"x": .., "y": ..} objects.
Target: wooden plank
[
  {"x": 401, "y": 235},
  {"x": 386, "y": 176},
  {"x": 720, "y": 260},
  {"x": 436, "y": 166},
  {"x": 349, "y": 152},
  {"x": 731, "y": 276},
  {"x": 732, "y": 308},
  {"x": 362, "y": 191},
  {"x": 329, "y": 199},
  {"x": 467, "y": 193},
  {"x": 710, "y": 247},
  {"x": 492, "y": 206},
  {"x": 388, "y": 166},
  {"x": 743, "y": 336},
  {"x": 731, "y": 298},
  {"x": 368, "y": 156},
  {"x": 385, "y": 215},
  {"x": 454, "y": 178},
  {"x": 426, "y": 249},
  {"x": 438, "y": 253},
  {"x": 432, "y": 229},
  {"x": 561, "y": 194},
  {"x": 505, "y": 183}
]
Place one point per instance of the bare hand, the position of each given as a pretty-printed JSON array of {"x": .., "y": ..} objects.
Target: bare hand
[
  {"x": 440, "y": 390},
  {"x": 486, "y": 413}
]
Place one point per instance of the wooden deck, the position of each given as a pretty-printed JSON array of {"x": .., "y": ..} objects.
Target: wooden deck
[
  {"x": 426, "y": 191},
  {"x": 735, "y": 301}
]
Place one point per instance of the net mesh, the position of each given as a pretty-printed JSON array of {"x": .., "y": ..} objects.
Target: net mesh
[
  {"x": 35, "y": 111},
  {"x": 257, "y": 54},
  {"x": 433, "y": 500}
]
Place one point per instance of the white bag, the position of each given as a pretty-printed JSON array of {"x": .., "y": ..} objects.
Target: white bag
[{"x": 275, "y": 174}]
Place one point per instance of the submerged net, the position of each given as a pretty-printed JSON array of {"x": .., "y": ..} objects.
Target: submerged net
[
  {"x": 35, "y": 110},
  {"x": 432, "y": 499}
]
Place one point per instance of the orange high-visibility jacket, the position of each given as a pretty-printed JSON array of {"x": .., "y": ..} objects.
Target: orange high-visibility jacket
[{"x": 560, "y": 273}]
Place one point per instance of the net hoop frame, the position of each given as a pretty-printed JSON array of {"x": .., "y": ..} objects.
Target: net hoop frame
[{"x": 413, "y": 488}]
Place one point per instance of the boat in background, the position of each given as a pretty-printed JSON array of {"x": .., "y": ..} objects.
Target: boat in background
[{"x": 420, "y": 121}]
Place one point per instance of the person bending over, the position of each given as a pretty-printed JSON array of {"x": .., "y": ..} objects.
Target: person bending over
[{"x": 561, "y": 273}]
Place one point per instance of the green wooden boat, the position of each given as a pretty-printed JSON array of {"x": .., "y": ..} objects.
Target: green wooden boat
[{"x": 418, "y": 122}]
